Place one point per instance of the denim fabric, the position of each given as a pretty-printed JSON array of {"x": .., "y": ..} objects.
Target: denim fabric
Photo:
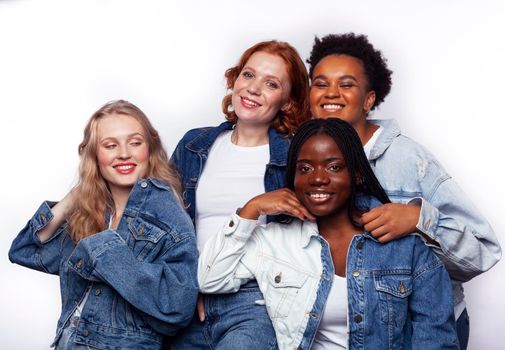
[
  {"x": 389, "y": 285},
  {"x": 192, "y": 151},
  {"x": 410, "y": 174},
  {"x": 67, "y": 339},
  {"x": 142, "y": 276},
  {"x": 189, "y": 158},
  {"x": 242, "y": 312},
  {"x": 463, "y": 328}
]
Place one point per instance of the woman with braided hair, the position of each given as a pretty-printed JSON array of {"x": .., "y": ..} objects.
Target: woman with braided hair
[
  {"x": 349, "y": 79},
  {"x": 327, "y": 282}
]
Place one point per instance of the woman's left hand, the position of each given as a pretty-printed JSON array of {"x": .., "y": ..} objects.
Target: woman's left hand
[{"x": 391, "y": 221}]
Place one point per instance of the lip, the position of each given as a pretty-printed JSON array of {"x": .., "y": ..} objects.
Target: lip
[
  {"x": 332, "y": 107},
  {"x": 318, "y": 197},
  {"x": 249, "y": 103},
  {"x": 125, "y": 168}
]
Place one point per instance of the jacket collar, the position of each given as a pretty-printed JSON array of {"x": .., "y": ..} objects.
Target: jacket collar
[
  {"x": 386, "y": 138},
  {"x": 203, "y": 142},
  {"x": 278, "y": 144}
]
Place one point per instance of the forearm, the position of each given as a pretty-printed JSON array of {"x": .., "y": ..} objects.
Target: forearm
[
  {"x": 165, "y": 289},
  {"x": 60, "y": 212},
  {"x": 28, "y": 250},
  {"x": 467, "y": 243},
  {"x": 222, "y": 255}
]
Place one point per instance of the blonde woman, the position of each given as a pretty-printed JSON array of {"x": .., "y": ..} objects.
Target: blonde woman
[{"x": 120, "y": 241}]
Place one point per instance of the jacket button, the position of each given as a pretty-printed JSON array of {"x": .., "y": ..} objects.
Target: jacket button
[
  {"x": 85, "y": 332},
  {"x": 358, "y": 318},
  {"x": 356, "y": 273},
  {"x": 231, "y": 223},
  {"x": 79, "y": 263},
  {"x": 143, "y": 184},
  {"x": 278, "y": 278},
  {"x": 98, "y": 292},
  {"x": 359, "y": 245},
  {"x": 42, "y": 218}
]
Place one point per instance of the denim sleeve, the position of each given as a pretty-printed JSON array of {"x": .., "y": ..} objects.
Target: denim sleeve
[
  {"x": 165, "y": 289},
  {"x": 29, "y": 251},
  {"x": 219, "y": 265},
  {"x": 431, "y": 303},
  {"x": 467, "y": 243}
]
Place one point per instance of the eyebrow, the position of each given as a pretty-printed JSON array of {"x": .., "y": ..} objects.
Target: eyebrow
[
  {"x": 348, "y": 76},
  {"x": 326, "y": 160},
  {"x": 135, "y": 134},
  {"x": 267, "y": 76}
]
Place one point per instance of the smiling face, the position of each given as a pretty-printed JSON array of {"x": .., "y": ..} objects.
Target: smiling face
[
  {"x": 340, "y": 90},
  {"x": 322, "y": 182},
  {"x": 122, "y": 151},
  {"x": 261, "y": 89}
]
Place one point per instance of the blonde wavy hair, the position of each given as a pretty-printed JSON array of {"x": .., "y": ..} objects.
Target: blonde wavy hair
[{"x": 92, "y": 195}]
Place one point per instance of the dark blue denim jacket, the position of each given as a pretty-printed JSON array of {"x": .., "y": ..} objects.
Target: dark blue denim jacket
[
  {"x": 193, "y": 149},
  {"x": 142, "y": 276}
]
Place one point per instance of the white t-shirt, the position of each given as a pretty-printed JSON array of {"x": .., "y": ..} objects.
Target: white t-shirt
[
  {"x": 332, "y": 332},
  {"x": 232, "y": 175},
  {"x": 369, "y": 145}
]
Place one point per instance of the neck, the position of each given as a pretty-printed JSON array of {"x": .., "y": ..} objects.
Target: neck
[
  {"x": 120, "y": 197},
  {"x": 337, "y": 226},
  {"x": 365, "y": 130},
  {"x": 249, "y": 135}
]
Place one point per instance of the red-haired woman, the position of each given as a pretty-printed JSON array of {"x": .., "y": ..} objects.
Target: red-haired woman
[{"x": 223, "y": 166}]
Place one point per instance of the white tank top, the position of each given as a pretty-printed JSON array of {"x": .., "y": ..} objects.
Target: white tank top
[{"x": 332, "y": 333}]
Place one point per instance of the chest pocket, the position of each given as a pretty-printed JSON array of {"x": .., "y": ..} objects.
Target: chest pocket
[
  {"x": 282, "y": 289},
  {"x": 393, "y": 293},
  {"x": 145, "y": 237}
]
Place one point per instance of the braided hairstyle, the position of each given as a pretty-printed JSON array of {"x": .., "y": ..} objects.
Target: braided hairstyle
[{"x": 356, "y": 161}]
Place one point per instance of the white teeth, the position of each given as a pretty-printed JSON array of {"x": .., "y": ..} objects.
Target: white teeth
[
  {"x": 332, "y": 106},
  {"x": 250, "y": 103},
  {"x": 319, "y": 195},
  {"x": 124, "y": 167}
]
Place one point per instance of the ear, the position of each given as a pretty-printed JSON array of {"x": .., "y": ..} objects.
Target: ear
[{"x": 369, "y": 101}]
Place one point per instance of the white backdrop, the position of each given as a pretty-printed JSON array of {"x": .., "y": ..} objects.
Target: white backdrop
[{"x": 60, "y": 60}]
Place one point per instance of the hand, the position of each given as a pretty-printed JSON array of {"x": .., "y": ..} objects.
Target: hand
[
  {"x": 200, "y": 308},
  {"x": 281, "y": 201},
  {"x": 391, "y": 221}
]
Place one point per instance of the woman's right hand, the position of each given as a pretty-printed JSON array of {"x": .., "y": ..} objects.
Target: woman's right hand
[{"x": 281, "y": 201}]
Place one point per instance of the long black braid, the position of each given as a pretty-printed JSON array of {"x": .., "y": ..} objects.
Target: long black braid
[{"x": 349, "y": 144}]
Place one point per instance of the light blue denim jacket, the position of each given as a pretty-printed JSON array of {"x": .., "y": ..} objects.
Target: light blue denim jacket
[
  {"x": 141, "y": 276},
  {"x": 399, "y": 294},
  {"x": 410, "y": 174}
]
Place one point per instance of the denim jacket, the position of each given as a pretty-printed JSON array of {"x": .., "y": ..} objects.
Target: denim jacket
[
  {"x": 141, "y": 276},
  {"x": 193, "y": 149},
  {"x": 467, "y": 243},
  {"x": 293, "y": 266}
]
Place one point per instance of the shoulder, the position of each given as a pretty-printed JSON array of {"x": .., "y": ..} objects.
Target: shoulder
[
  {"x": 155, "y": 200},
  {"x": 194, "y": 133}
]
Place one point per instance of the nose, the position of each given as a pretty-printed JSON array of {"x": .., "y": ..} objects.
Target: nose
[
  {"x": 254, "y": 88},
  {"x": 319, "y": 177},
  {"x": 333, "y": 91},
  {"x": 123, "y": 152}
]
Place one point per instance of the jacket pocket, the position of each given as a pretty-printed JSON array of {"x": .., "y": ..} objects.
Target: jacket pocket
[
  {"x": 282, "y": 289},
  {"x": 146, "y": 236},
  {"x": 393, "y": 294}
]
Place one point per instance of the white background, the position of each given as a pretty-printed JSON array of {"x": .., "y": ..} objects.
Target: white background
[{"x": 61, "y": 60}]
